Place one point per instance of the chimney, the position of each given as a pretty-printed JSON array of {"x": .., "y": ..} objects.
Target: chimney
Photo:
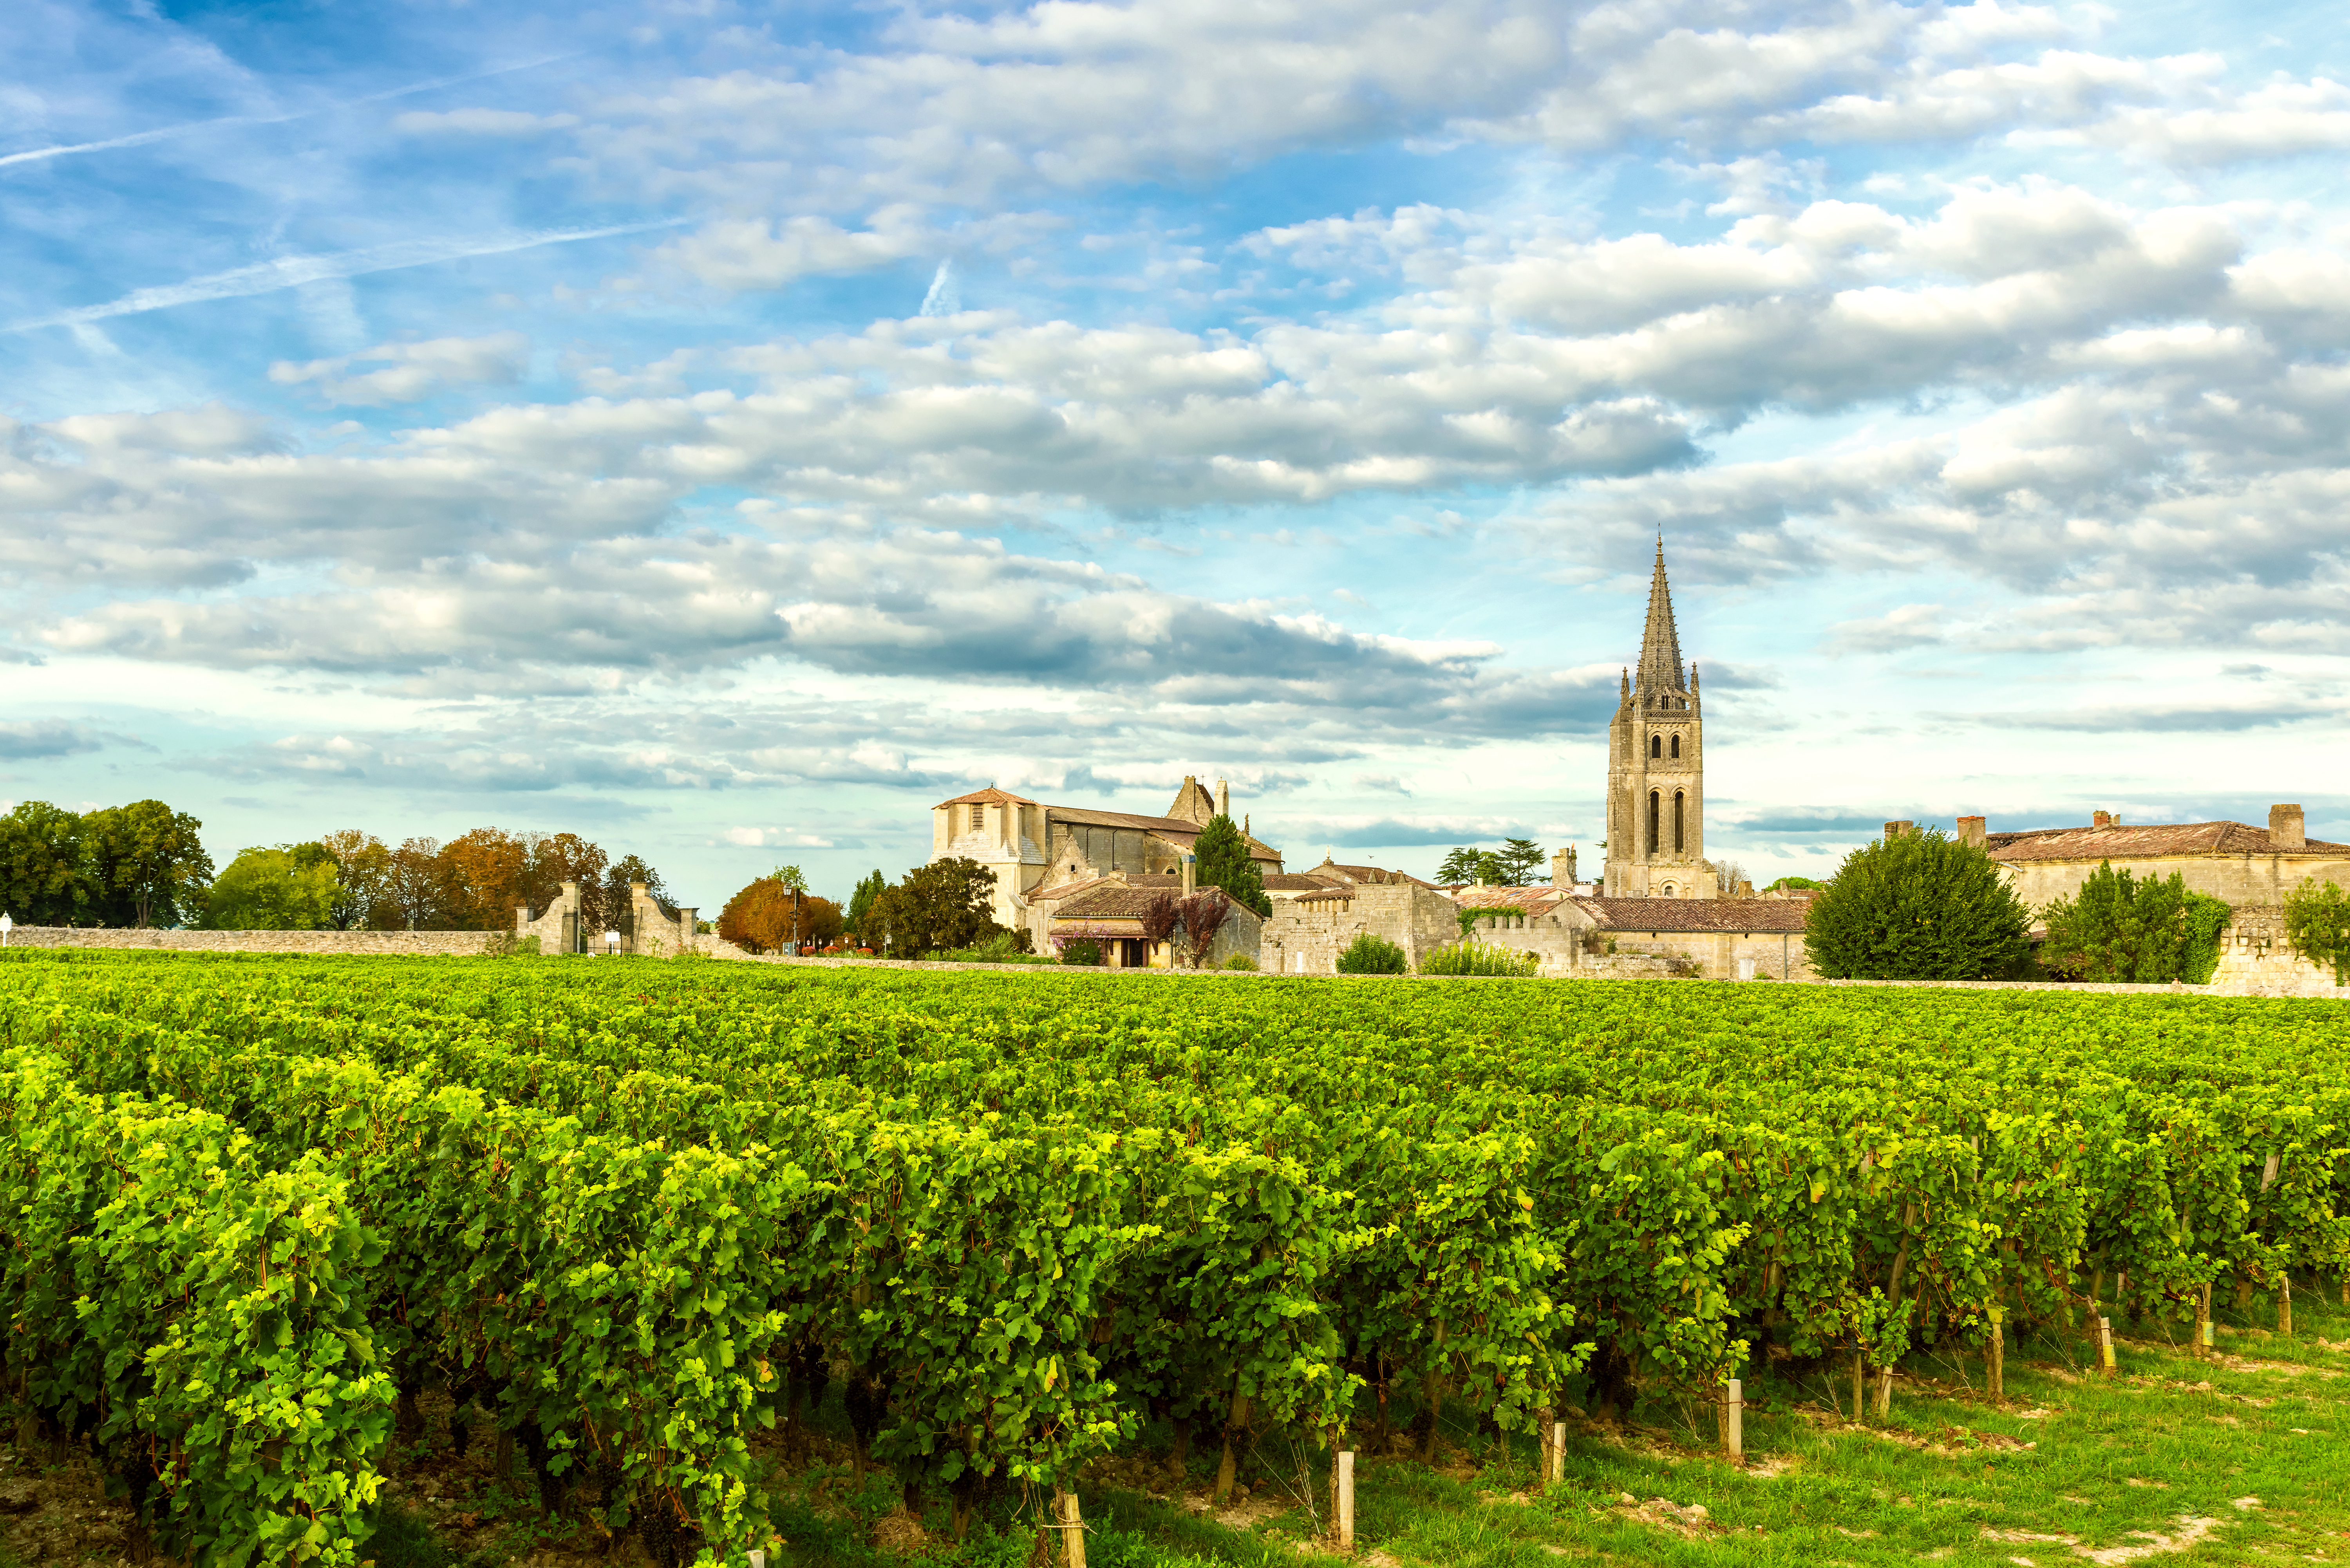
[
  {"x": 1893, "y": 830},
  {"x": 2101, "y": 819},
  {"x": 1973, "y": 831},
  {"x": 1191, "y": 873},
  {"x": 1223, "y": 798},
  {"x": 2285, "y": 831}
]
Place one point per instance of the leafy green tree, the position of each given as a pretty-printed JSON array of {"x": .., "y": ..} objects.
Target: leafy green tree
[
  {"x": 362, "y": 865},
  {"x": 274, "y": 890},
  {"x": 148, "y": 863},
  {"x": 1223, "y": 862},
  {"x": 611, "y": 905},
  {"x": 1367, "y": 954},
  {"x": 1464, "y": 864},
  {"x": 793, "y": 879},
  {"x": 1921, "y": 906},
  {"x": 1522, "y": 861},
  {"x": 942, "y": 907},
  {"x": 860, "y": 900},
  {"x": 2317, "y": 923},
  {"x": 44, "y": 878},
  {"x": 1785, "y": 884},
  {"x": 2117, "y": 928}
]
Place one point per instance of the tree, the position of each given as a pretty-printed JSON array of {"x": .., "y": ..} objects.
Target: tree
[
  {"x": 1160, "y": 914},
  {"x": 938, "y": 908},
  {"x": 279, "y": 889},
  {"x": 148, "y": 862},
  {"x": 860, "y": 901},
  {"x": 791, "y": 877},
  {"x": 559, "y": 858},
  {"x": 2117, "y": 928},
  {"x": 1919, "y": 906},
  {"x": 362, "y": 863},
  {"x": 1202, "y": 915},
  {"x": 1224, "y": 861},
  {"x": 1483, "y": 866},
  {"x": 1521, "y": 861},
  {"x": 761, "y": 917},
  {"x": 2317, "y": 923},
  {"x": 612, "y": 906},
  {"x": 44, "y": 881},
  {"x": 483, "y": 875},
  {"x": 1787, "y": 883},
  {"x": 412, "y": 885},
  {"x": 1727, "y": 876}
]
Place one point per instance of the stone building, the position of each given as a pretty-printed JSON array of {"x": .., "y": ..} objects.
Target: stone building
[
  {"x": 1312, "y": 926},
  {"x": 1031, "y": 846},
  {"x": 1597, "y": 938},
  {"x": 645, "y": 928},
  {"x": 2249, "y": 867},
  {"x": 1107, "y": 912},
  {"x": 1656, "y": 768}
]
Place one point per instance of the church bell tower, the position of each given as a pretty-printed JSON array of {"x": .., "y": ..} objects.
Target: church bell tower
[{"x": 1656, "y": 768}]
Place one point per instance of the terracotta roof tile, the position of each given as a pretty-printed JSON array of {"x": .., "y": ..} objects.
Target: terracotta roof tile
[
  {"x": 991, "y": 795},
  {"x": 2118, "y": 842},
  {"x": 1297, "y": 882},
  {"x": 1366, "y": 873},
  {"x": 1530, "y": 900},
  {"x": 1173, "y": 829},
  {"x": 1773, "y": 915}
]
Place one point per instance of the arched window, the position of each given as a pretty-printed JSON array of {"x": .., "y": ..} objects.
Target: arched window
[
  {"x": 1677, "y": 745},
  {"x": 1653, "y": 804},
  {"x": 1679, "y": 801},
  {"x": 1656, "y": 745}
]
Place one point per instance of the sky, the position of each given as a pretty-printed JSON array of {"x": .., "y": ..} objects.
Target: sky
[{"x": 725, "y": 430}]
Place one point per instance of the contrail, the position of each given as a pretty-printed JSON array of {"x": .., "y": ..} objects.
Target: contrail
[
  {"x": 290, "y": 272},
  {"x": 188, "y": 127}
]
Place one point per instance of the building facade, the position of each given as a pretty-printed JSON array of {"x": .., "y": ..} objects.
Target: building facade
[
  {"x": 1656, "y": 768},
  {"x": 1032, "y": 846}
]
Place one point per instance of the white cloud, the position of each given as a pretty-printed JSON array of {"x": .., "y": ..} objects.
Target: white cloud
[{"x": 411, "y": 370}]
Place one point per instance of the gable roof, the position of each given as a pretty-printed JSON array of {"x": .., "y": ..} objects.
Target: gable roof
[
  {"x": 991, "y": 795},
  {"x": 1372, "y": 874},
  {"x": 1297, "y": 882},
  {"x": 1771, "y": 915},
  {"x": 1173, "y": 829},
  {"x": 2116, "y": 842},
  {"x": 1529, "y": 899}
]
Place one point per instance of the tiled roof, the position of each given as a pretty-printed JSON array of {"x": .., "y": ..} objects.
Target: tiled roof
[
  {"x": 991, "y": 795},
  {"x": 1530, "y": 900},
  {"x": 1327, "y": 896},
  {"x": 2117, "y": 842},
  {"x": 1696, "y": 914},
  {"x": 1156, "y": 882},
  {"x": 1297, "y": 882},
  {"x": 1111, "y": 902},
  {"x": 1173, "y": 829},
  {"x": 1366, "y": 873}
]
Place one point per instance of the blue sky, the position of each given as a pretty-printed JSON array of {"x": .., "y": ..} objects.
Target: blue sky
[{"x": 727, "y": 430}]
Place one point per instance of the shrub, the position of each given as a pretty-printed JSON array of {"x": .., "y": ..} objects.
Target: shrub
[
  {"x": 1367, "y": 954},
  {"x": 1240, "y": 960},
  {"x": 1084, "y": 950},
  {"x": 2118, "y": 929},
  {"x": 1920, "y": 906},
  {"x": 1479, "y": 958},
  {"x": 1004, "y": 947},
  {"x": 2317, "y": 923}
]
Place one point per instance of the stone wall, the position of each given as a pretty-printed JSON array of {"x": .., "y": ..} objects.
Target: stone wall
[
  {"x": 1306, "y": 936},
  {"x": 412, "y": 944},
  {"x": 1562, "y": 942},
  {"x": 2256, "y": 881}
]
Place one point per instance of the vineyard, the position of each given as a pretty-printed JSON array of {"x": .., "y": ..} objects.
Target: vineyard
[{"x": 643, "y": 1215}]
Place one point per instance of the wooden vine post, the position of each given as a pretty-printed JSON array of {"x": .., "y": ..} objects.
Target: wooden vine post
[
  {"x": 1995, "y": 1354},
  {"x": 2106, "y": 1348},
  {"x": 1343, "y": 1504},
  {"x": 1557, "y": 1471},
  {"x": 1071, "y": 1523},
  {"x": 2285, "y": 1308},
  {"x": 1734, "y": 1420},
  {"x": 2202, "y": 1345}
]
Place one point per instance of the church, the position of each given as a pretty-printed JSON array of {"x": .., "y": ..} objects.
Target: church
[{"x": 1656, "y": 768}]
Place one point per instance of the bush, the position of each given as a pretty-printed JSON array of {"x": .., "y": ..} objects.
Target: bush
[
  {"x": 1082, "y": 952},
  {"x": 1479, "y": 958},
  {"x": 2118, "y": 929},
  {"x": 1240, "y": 960},
  {"x": 1920, "y": 906},
  {"x": 1004, "y": 947},
  {"x": 1367, "y": 954},
  {"x": 2317, "y": 923}
]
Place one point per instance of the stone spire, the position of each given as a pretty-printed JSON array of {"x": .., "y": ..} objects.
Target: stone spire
[{"x": 1661, "y": 643}]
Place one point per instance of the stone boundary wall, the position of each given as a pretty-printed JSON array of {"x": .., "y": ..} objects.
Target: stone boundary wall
[{"x": 410, "y": 944}]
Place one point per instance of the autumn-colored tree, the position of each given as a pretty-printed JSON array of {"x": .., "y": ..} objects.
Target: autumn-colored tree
[
  {"x": 559, "y": 858},
  {"x": 762, "y": 918},
  {"x": 413, "y": 888},
  {"x": 483, "y": 873},
  {"x": 362, "y": 865},
  {"x": 1202, "y": 914}
]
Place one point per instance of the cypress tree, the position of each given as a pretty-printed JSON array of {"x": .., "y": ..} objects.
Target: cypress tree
[
  {"x": 1919, "y": 907},
  {"x": 1223, "y": 862}
]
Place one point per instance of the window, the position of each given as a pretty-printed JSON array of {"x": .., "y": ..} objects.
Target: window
[
  {"x": 978, "y": 817},
  {"x": 1653, "y": 799},
  {"x": 1678, "y": 801},
  {"x": 1677, "y": 745},
  {"x": 1656, "y": 746}
]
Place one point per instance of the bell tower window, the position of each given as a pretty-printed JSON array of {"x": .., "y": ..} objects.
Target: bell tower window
[
  {"x": 1655, "y": 801},
  {"x": 1656, "y": 745},
  {"x": 978, "y": 817},
  {"x": 1677, "y": 745},
  {"x": 1679, "y": 801}
]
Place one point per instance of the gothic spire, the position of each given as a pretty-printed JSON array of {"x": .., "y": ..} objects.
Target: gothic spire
[{"x": 1661, "y": 644}]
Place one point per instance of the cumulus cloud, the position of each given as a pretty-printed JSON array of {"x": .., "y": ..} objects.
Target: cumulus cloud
[
  {"x": 412, "y": 371},
  {"x": 27, "y": 740}
]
